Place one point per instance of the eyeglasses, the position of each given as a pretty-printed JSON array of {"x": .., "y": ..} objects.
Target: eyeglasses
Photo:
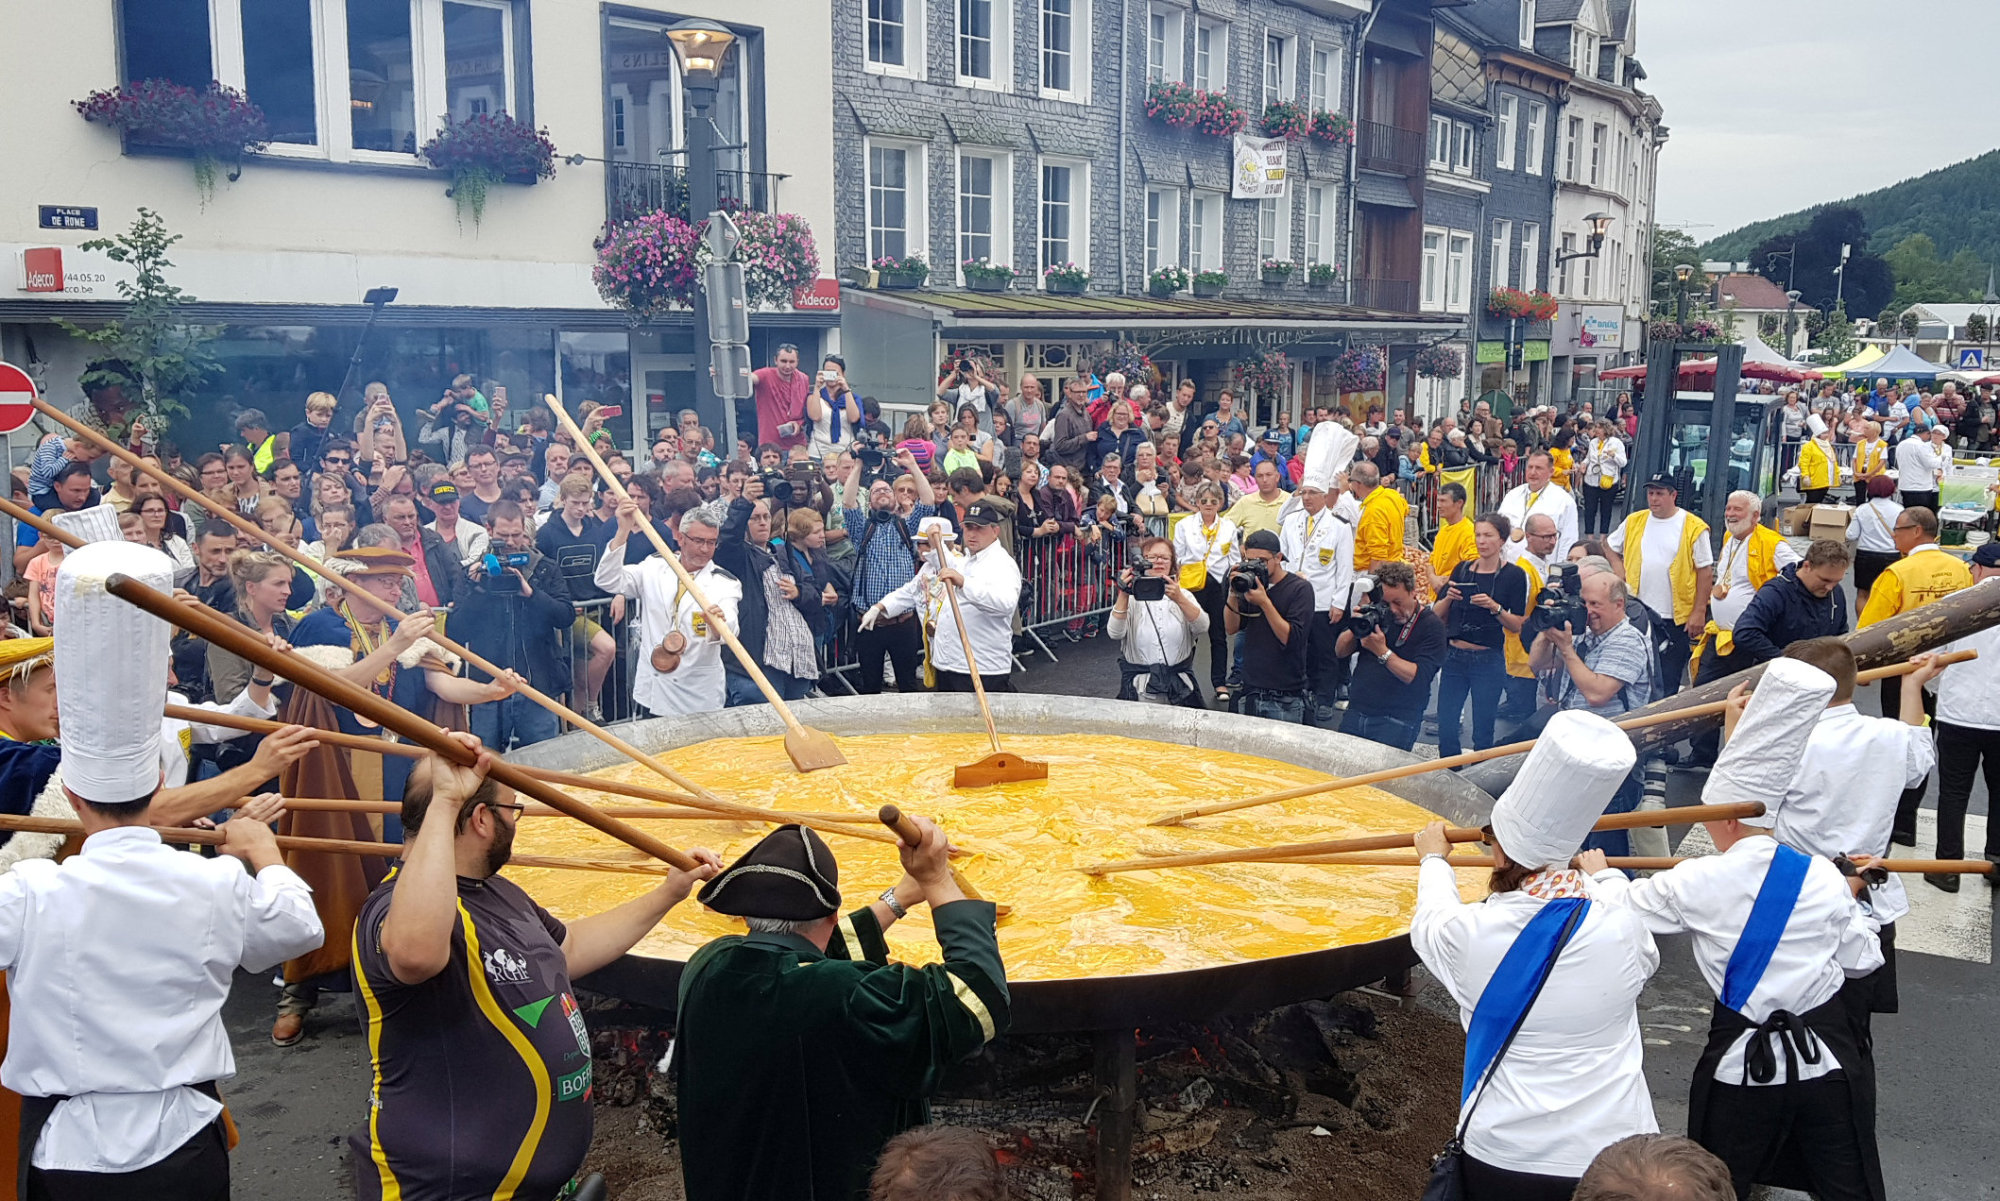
[
  {"x": 338, "y": 461},
  {"x": 518, "y": 809}
]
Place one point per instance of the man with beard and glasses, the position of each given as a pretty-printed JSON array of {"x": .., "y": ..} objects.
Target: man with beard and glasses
[{"x": 481, "y": 1058}]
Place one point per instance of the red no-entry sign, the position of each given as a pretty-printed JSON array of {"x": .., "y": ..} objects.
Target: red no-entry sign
[{"x": 17, "y": 398}]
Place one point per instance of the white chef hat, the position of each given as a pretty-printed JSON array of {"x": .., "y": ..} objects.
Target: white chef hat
[
  {"x": 942, "y": 526},
  {"x": 1329, "y": 453},
  {"x": 111, "y": 672},
  {"x": 1562, "y": 789},
  {"x": 1760, "y": 760},
  {"x": 99, "y": 523},
  {"x": 1816, "y": 424}
]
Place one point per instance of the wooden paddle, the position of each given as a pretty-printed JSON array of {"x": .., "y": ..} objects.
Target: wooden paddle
[
  {"x": 1927, "y": 867},
  {"x": 909, "y": 835},
  {"x": 1425, "y": 766},
  {"x": 242, "y": 641},
  {"x": 998, "y": 767},
  {"x": 367, "y": 599},
  {"x": 809, "y": 749},
  {"x": 621, "y": 812},
  {"x": 1638, "y": 818}
]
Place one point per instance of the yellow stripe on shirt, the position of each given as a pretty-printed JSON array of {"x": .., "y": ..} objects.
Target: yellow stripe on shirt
[
  {"x": 971, "y": 1001},
  {"x": 392, "y": 1188},
  {"x": 490, "y": 1006}
]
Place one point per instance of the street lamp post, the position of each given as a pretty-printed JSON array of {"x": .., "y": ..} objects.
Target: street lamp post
[
  {"x": 1840, "y": 273},
  {"x": 1791, "y": 323},
  {"x": 1682, "y": 273},
  {"x": 700, "y": 48}
]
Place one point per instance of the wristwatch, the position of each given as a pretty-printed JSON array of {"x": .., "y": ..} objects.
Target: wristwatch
[
  {"x": 888, "y": 898},
  {"x": 1383, "y": 658}
]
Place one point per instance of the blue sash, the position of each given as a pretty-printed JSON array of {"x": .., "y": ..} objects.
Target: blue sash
[
  {"x": 1769, "y": 915},
  {"x": 1512, "y": 989}
]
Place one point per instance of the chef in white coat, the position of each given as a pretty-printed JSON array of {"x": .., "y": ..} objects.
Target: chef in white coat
[
  {"x": 1571, "y": 1082},
  {"x": 1541, "y": 494},
  {"x": 1784, "y": 1092},
  {"x": 681, "y": 672},
  {"x": 1318, "y": 546},
  {"x": 989, "y": 589},
  {"x": 1843, "y": 799},
  {"x": 119, "y": 959}
]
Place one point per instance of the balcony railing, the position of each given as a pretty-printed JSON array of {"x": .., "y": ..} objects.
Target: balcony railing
[
  {"x": 1388, "y": 148},
  {"x": 640, "y": 188},
  {"x": 1389, "y": 295}
]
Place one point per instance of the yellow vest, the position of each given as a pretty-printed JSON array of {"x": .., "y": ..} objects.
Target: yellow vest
[
  {"x": 1868, "y": 457},
  {"x": 1517, "y": 652},
  {"x": 1762, "y": 547},
  {"x": 1816, "y": 467},
  {"x": 1917, "y": 579},
  {"x": 1455, "y": 544},
  {"x": 1680, "y": 572},
  {"x": 1379, "y": 534}
]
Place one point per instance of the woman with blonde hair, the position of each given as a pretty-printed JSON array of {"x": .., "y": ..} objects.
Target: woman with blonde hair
[{"x": 262, "y": 581}]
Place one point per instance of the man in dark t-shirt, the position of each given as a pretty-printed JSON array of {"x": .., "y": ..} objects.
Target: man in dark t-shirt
[
  {"x": 1273, "y": 618},
  {"x": 481, "y": 1058},
  {"x": 1398, "y": 658}
]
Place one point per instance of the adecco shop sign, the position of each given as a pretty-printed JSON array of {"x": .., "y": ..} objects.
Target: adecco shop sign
[{"x": 822, "y": 297}]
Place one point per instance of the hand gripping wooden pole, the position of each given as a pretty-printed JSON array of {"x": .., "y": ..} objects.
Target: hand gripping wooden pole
[
  {"x": 1425, "y": 766},
  {"x": 809, "y": 749},
  {"x": 1634, "y": 820},
  {"x": 998, "y": 767},
  {"x": 241, "y": 641},
  {"x": 367, "y": 599}
]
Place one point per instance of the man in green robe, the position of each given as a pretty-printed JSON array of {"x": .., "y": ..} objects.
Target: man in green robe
[{"x": 802, "y": 1048}]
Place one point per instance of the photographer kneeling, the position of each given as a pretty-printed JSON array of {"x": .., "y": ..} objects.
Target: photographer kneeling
[
  {"x": 1605, "y": 669},
  {"x": 1270, "y": 607},
  {"x": 1158, "y": 621},
  {"x": 1403, "y": 645}
]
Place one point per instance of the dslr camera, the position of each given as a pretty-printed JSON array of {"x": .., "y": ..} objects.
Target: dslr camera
[
  {"x": 1558, "y": 604},
  {"x": 1370, "y": 617},
  {"x": 776, "y": 487},
  {"x": 1250, "y": 573},
  {"x": 867, "y": 447},
  {"x": 1144, "y": 586}
]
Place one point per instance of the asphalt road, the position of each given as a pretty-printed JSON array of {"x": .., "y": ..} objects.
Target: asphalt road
[{"x": 1938, "y": 1140}]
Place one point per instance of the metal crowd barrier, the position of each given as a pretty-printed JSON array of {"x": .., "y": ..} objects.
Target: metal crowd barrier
[{"x": 1490, "y": 486}]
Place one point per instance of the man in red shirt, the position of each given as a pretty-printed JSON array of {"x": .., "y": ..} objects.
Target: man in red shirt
[{"x": 781, "y": 400}]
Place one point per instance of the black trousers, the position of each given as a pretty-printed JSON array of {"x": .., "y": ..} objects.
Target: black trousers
[
  {"x": 198, "y": 1170},
  {"x": 1326, "y": 670},
  {"x": 1920, "y": 500},
  {"x": 1905, "y": 826},
  {"x": 1821, "y": 1146},
  {"x": 1963, "y": 751},
  {"x": 1674, "y": 651},
  {"x": 1210, "y": 596},
  {"x": 1484, "y": 1182},
  {"x": 958, "y": 681},
  {"x": 903, "y": 643},
  {"x": 1597, "y": 509},
  {"x": 1816, "y": 496}
]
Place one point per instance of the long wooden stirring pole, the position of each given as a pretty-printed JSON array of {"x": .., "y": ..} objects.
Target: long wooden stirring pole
[
  {"x": 1634, "y": 820},
  {"x": 809, "y": 749},
  {"x": 380, "y": 606},
  {"x": 1426, "y": 766},
  {"x": 1641, "y": 863},
  {"x": 240, "y": 640}
]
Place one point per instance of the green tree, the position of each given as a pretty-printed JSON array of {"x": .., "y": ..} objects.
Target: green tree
[
  {"x": 151, "y": 345},
  {"x": 1672, "y": 247},
  {"x": 1922, "y": 277},
  {"x": 1836, "y": 337}
]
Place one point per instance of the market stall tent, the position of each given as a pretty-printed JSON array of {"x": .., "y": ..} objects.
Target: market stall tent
[{"x": 1904, "y": 363}]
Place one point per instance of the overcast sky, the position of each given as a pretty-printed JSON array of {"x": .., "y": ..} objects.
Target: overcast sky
[{"x": 1766, "y": 98}]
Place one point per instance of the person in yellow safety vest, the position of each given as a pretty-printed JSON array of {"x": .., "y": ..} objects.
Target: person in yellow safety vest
[
  {"x": 1819, "y": 471},
  {"x": 1378, "y": 537},
  {"x": 1455, "y": 542},
  {"x": 1871, "y": 458},
  {"x": 255, "y": 431},
  {"x": 1924, "y": 574},
  {"x": 1663, "y": 552},
  {"x": 1532, "y": 555},
  {"x": 1752, "y": 554}
]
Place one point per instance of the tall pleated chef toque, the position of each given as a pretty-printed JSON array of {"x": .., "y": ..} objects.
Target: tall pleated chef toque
[
  {"x": 1760, "y": 760},
  {"x": 111, "y": 673},
  {"x": 1571, "y": 774},
  {"x": 1328, "y": 453}
]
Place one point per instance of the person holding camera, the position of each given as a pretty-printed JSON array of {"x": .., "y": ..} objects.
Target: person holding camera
[
  {"x": 1482, "y": 602},
  {"x": 1271, "y": 609},
  {"x": 1402, "y": 644},
  {"x": 969, "y": 387},
  {"x": 833, "y": 411},
  {"x": 1606, "y": 667},
  {"x": 1157, "y": 621},
  {"x": 456, "y": 423},
  {"x": 511, "y": 615}
]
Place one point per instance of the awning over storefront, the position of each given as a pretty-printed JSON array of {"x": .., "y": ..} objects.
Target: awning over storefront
[{"x": 1382, "y": 190}]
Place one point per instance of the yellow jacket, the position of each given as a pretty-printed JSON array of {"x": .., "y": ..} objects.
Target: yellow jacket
[
  {"x": 1379, "y": 534},
  {"x": 1517, "y": 651},
  {"x": 1455, "y": 544},
  {"x": 1916, "y": 579},
  {"x": 1680, "y": 571},
  {"x": 1560, "y": 461},
  {"x": 1817, "y": 468}
]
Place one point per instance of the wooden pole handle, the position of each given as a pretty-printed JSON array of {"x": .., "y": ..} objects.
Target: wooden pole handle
[
  {"x": 754, "y": 669},
  {"x": 1969, "y": 867},
  {"x": 239, "y": 640},
  {"x": 965, "y": 640},
  {"x": 907, "y": 831}
]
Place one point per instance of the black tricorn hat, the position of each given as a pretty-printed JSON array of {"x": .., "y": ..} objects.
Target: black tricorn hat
[{"x": 790, "y": 875}]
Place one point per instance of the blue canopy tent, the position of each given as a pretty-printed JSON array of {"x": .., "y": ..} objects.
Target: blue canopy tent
[{"x": 1901, "y": 363}]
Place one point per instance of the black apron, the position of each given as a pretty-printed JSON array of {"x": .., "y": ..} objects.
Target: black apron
[{"x": 35, "y": 1114}]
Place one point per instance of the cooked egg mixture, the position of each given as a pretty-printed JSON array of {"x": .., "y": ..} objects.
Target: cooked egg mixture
[{"x": 1025, "y": 842}]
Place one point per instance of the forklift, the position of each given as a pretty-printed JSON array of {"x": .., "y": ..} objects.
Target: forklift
[{"x": 1682, "y": 432}]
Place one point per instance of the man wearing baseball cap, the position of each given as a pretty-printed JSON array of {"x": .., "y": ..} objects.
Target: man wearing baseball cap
[
  {"x": 989, "y": 589},
  {"x": 466, "y": 539},
  {"x": 1668, "y": 564}
]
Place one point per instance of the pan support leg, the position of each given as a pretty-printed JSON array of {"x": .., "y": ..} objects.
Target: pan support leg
[{"x": 1116, "y": 1077}]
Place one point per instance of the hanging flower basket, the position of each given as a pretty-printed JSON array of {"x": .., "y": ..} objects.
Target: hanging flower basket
[
  {"x": 654, "y": 263},
  {"x": 985, "y": 275},
  {"x": 1527, "y": 306},
  {"x": 486, "y": 149},
  {"x": 1269, "y": 375},
  {"x": 1335, "y": 129},
  {"x": 1360, "y": 370},
  {"x": 1701, "y": 329},
  {"x": 1066, "y": 279},
  {"x": 1439, "y": 362},
  {"x": 893, "y": 274},
  {"x": 1127, "y": 360},
  {"x": 1285, "y": 119},
  {"x": 1663, "y": 331},
  {"x": 215, "y": 124},
  {"x": 1210, "y": 283},
  {"x": 1166, "y": 281},
  {"x": 1179, "y": 106}
]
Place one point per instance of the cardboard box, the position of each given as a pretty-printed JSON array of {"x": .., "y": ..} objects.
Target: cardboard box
[
  {"x": 1796, "y": 521},
  {"x": 1830, "y": 521}
]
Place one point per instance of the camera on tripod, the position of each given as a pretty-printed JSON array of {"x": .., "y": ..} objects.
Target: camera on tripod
[{"x": 1558, "y": 604}]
